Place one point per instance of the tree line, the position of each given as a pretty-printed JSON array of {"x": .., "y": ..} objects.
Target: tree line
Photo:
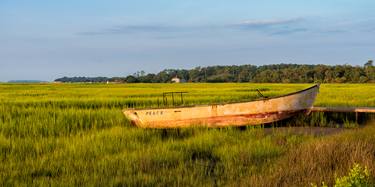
[{"x": 276, "y": 73}]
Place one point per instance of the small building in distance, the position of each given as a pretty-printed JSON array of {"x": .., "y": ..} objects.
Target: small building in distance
[{"x": 177, "y": 80}]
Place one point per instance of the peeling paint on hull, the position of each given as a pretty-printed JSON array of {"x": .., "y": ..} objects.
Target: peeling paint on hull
[{"x": 233, "y": 114}]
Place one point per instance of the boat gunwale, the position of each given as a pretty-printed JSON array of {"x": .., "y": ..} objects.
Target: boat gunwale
[{"x": 225, "y": 103}]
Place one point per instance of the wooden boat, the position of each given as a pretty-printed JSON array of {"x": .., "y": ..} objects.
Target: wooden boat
[{"x": 232, "y": 114}]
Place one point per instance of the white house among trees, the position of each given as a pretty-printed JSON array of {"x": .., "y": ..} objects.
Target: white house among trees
[{"x": 176, "y": 79}]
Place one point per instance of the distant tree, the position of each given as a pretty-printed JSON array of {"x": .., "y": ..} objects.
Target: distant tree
[
  {"x": 369, "y": 64},
  {"x": 131, "y": 79},
  {"x": 286, "y": 73},
  {"x": 149, "y": 78},
  {"x": 142, "y": 73},
  {"x": 370, "y": 71}
]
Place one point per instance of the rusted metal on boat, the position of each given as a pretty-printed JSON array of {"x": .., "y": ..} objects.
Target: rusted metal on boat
[{"x": 257, "y": 112}]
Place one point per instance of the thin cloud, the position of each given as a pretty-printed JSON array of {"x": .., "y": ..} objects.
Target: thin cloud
[
  {"x": 250, "y": 24},
  {"x": 131, "y": 29},
  {"x": 141, "y": 28},
  {"x": 273, "y": 27},
  {"x": 289, "y": 31},
  {"x": 333, "y": 31}
]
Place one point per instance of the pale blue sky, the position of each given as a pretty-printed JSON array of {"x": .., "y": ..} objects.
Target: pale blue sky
[{"x": 50, "y": 39}]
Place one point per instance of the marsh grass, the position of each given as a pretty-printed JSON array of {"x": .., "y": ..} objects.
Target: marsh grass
[
  {"x": 322, "y": 159},
  {"x": 76, "y": 134}
]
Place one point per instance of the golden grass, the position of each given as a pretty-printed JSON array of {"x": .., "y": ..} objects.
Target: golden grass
[{"x": 75, "y": 134}]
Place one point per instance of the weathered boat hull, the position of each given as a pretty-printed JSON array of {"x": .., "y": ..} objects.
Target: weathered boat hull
[{"x": 221, "y": 115}]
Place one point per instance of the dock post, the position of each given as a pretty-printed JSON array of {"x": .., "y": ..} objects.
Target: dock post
[{"x": 356, "y": 117}]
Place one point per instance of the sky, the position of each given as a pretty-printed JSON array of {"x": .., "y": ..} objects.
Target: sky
[{"x": 45, "y": 40}]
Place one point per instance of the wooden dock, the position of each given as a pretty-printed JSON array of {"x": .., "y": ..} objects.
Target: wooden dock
[{"x": 344, "y": 109}]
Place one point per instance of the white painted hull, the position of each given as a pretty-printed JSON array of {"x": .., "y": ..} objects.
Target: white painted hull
[{"x": 221, "y": 115}]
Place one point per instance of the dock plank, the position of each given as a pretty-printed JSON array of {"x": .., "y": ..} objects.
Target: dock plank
[{"x": 344, "y": 109}]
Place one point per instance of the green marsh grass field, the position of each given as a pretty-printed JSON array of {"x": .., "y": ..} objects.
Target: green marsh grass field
[{"x": 76, "y": 134}]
